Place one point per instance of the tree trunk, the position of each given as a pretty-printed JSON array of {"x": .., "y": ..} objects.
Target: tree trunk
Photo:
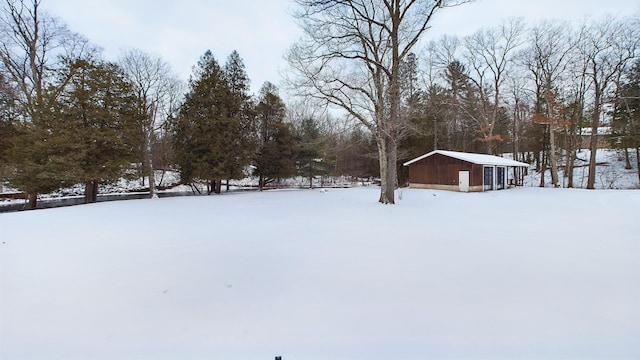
[
  {"x": 91, "y": 191},
  {"x": 435, "y": 133},
  {"x": 386, "y": 194},
  {"x": 543, "y": 168},
  {"x": 148, "y": 164},
  {"x": 514, "y": 131},
  {"x": 152, "y": 184},
  {"x": 571, "y": 157},
  {"x": 638, "y": 163},
  {"x": 260, "y": 183},
  {"x": 627, "y": 160},
  {"x": 635, "y": 141},
  {"x": 88, "y": 188},
  {"x": 384, "y": 169},
  {"x": 32, "y": 203},
  {"x": 392, "y": 171},
  {"x": 593, "y": 145},
  {"x": 391, "y": 152},
  {"x": 552, "y": 157}
]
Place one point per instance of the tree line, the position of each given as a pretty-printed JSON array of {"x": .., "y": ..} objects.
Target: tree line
[
  {"x": 68, "y": 117},
  {"x": 539, "y": 92}
]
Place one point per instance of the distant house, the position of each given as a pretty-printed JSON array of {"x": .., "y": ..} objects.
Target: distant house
[{"x": 459, "y": 171}]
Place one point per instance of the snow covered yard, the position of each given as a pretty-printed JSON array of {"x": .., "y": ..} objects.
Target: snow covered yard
[{"x": 525, "y": 273}]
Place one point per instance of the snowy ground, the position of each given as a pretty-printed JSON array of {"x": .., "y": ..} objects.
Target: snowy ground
[
  {"x": 525, "y": 273},
  {"x": 611, "y": 174}
]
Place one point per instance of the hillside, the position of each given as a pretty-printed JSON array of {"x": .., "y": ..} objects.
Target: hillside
[{"x": 611, "y": 172}]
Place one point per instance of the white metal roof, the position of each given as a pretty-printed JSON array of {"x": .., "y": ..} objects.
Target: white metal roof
[{"x": 480, "y": 159}]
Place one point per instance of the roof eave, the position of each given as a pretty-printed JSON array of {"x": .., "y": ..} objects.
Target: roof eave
[{"x": 452, "y": 154}]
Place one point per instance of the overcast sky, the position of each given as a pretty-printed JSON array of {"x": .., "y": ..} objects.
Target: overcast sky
[{"x": 262, "y": 30}]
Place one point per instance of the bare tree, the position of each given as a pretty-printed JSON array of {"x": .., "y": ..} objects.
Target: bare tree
[
  {"x": 548, "y": 59},
  {"x": 577, "y": 89},
  {"x": 521, "y": 112},
  {"x": 156, "y": 87},
  {"x": 609, "y": 45},
  {"x": 351, "y": 56},
  {"x": 489, "y": 54},
  {"x": 33, "y": 44}
]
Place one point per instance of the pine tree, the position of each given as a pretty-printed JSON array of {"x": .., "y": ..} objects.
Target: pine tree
[
  {"x": 97, "y": 114},
  {"x": 241, "y": 105},
  {"x": 356, "y": 154},
  {"x": 31, "y": 39},
  {"x": 40, "y": 155},
  {"x": 7, "y": 128},
  {"x": 208, "y": 133},
  {"x": 459, "y": 128},
  {"x": 275, "y": 157},
  {"x": 416, "y": 138},
  {"x": 311, "y": 160}
]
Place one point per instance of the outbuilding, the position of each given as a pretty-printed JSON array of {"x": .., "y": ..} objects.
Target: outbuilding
[{"x": 459, "y": 171}]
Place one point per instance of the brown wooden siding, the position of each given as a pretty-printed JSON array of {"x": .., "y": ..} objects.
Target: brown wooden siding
[{"x": 443, "y": 170}]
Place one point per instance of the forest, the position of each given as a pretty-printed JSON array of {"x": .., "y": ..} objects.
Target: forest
[{"x": 539, "y": 92}]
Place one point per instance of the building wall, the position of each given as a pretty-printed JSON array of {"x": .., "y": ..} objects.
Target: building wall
[
  {"x": 443, "y": 170},
  {"x": 443, "y": 187}
]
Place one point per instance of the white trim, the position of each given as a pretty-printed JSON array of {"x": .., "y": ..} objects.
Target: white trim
[{"x": 479, "y": 159}]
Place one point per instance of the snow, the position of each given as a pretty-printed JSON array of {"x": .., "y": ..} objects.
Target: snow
[
  {"x": 482, "y": 159},
  {"x": 610, "y": 172},
  {"x": 526, "y": 273}
]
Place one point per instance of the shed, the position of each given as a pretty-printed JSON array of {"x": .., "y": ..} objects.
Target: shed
[{"x": 459, "y": 171}]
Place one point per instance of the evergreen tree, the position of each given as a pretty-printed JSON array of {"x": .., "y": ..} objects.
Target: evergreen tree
[
  {"x": 421, "y": 119},
  {"x": 7, "y": 128},
  {"x": 209, "y": 138},
  {"x": 463, "y": 105},
  {"x": 241, "y": 110},
  {"x": 31, "y": 39},
  {"x": 356, "y": 155},
  {"x": 237, "y": 78},
  {"x": 97, "y": 114},
  {"x": 311, "y": 161},
  {"x": 416, "y": 138},
  {"x": 275, "y": 157},
  {"x": 41, "y": 153}
]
